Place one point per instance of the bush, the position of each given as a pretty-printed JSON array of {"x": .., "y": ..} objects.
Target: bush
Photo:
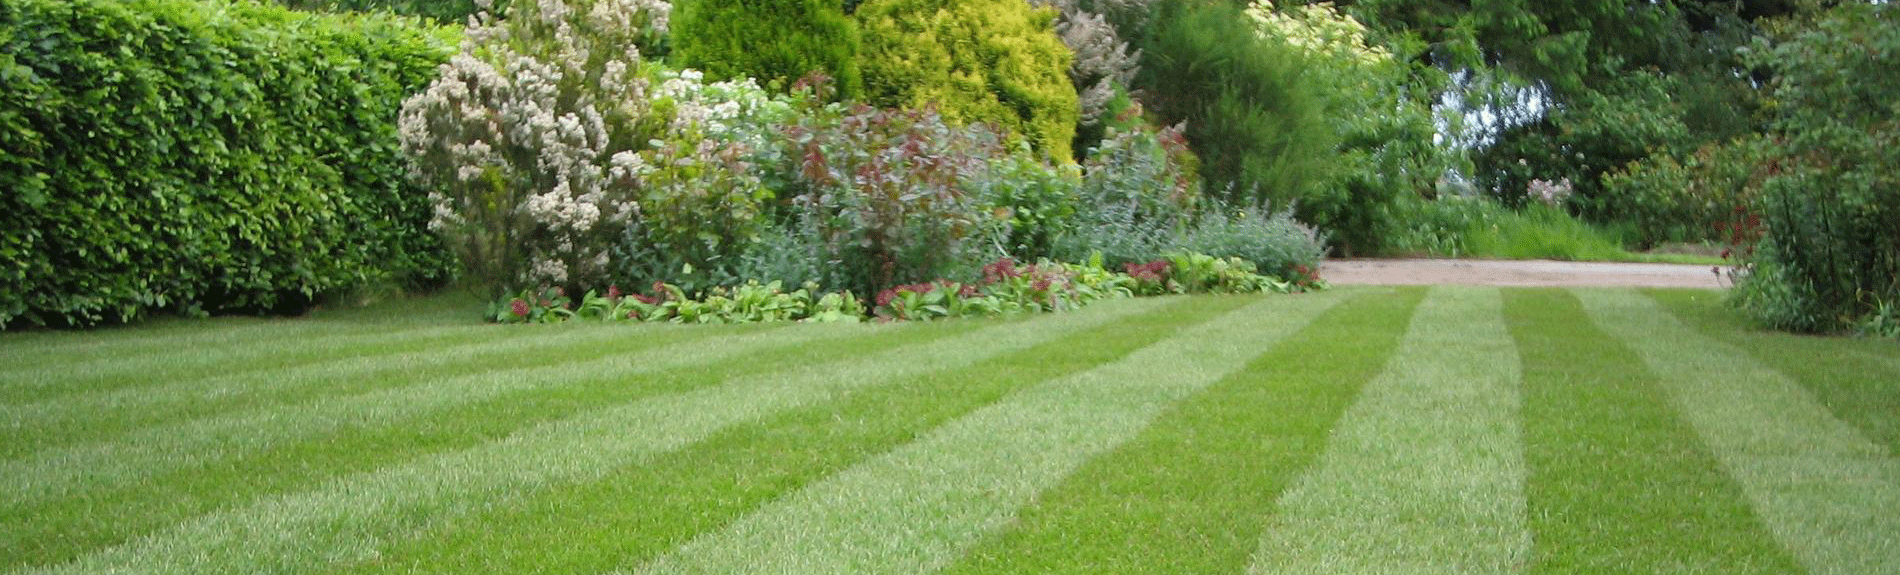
[
  {"x": 773, "y": 42},
  {"x": 1831, "y": 254},
  {"x": 443, "y": 11},
  {"x": 1138, "y": 190},
  {"x": 1690, "y": 200},
  {"x": 560, "y": 157},
  {"x": 1259, "y": 128},
  {"x": 1276, "y": 244},
  {"x": 886, "y": 197},
  {"x": 202, "y": 156},
  {"x": 977, "y": 61}
]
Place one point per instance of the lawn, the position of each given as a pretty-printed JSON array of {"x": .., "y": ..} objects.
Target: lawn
[{"x": 1356, "y": 430}]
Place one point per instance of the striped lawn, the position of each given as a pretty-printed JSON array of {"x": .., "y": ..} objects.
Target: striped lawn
[{"x": 1359, "y": 430}]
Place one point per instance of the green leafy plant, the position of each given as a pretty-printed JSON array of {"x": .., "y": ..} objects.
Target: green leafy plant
[
  {"x": 775, "y": 42},
  {"x": 204, "y": 156},
  {"x": 888, "y": 197},
  {"x": 977, "y": 61},
  {"x": 1830, "y": 254}
]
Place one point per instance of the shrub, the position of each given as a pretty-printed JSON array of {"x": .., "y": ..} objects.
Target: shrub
[
  {"x": 1831, "y": 254},
  {"x": 1138, "y": 190},
  {"x": 1272, "y": 241},
  {"x": 443, "y": 11},
  {"x": 773, "y": 41},
  {"x": 1259, "y": 129},
  {"x": 202, "y": 156},
  {"x": 1669, "y": 200},
  {"x": 560, "y": 157},
  {"x": 887, "y": 195},
  {"x": 977, "y": 61},
  {"x": 1383, "y": 125}
]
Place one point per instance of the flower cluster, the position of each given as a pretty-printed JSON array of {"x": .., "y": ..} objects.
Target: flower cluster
[
  {"x": 1550, "y": 193},
  {"x": 1319, "y": 28},
  {"x": 518, "y": 138}
]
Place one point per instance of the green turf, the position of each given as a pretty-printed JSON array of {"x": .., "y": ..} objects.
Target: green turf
[
  {"x": 1190, "y": 493},
  {"x": 1425, "y": 473},
  {"x": 694, "y": 491},
  {"x": 1356, "y": 430},
  {"x": 1857, "y": 379},
  {"x": 1618, "y": 482}
]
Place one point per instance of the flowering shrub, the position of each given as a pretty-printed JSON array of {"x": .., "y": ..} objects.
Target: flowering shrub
[
  {"x": 549, "y": 142},
  {"x": 530, "y": 136}
]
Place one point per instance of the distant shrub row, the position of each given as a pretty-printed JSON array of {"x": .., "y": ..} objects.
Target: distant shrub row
[{"x": 203, "y": 156}]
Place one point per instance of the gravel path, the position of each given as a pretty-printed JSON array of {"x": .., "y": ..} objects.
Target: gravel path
[{"x": 1518, "y": 273}]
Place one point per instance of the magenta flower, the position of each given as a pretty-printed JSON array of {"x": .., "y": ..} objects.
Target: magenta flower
[{"x": 519, "y": 307}]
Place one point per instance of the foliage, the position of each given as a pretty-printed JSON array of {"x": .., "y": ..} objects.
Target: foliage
[
  {"x": 202, "y": 156},
  {"x": 1138, "y": 190},
  {"x": 442, "y": 11},
  {"x": 1381, "y": 112},
  {"x": 1481, "y": 227},
  {"x": 1831, "y": 254},
  {"x": 1273, "y": 241},
  {"x": 1689, "y": 200},
  {"x": 887, "y": 197},
  {"x": 976, "y": 61},
  {"x": 560, "y": 157},
  {"x": 1039, "y": 203},
  {"x": 751, "y": 302},
  {"x": 774, "y": 42},
  {"x": 1259, "y": 128}
]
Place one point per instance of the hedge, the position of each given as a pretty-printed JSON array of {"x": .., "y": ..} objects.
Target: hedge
[{"x": 203, "y": 156}]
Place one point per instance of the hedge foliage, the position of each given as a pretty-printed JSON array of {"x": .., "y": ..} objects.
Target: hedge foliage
[
  {"x": 977, "y": 61},
  {"x": 203, "y": 156},
  {"x": 771, "y": 41},
  {"x": 1830, "y": 257}
]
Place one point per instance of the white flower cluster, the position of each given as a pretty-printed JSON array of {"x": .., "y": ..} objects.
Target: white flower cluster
[
  {"x": 1319, "y": 28},
  {"x": 514, "y": 137},
  {"x": 1550, "y": 193},
  {"x": 1102, "y": 60}
]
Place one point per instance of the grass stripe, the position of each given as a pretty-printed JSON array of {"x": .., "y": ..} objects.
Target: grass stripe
[
  {"x": 1831, "y": 495},
  {"x": 76, "y": 470},
  {"x": 64, "y": 530},
  {"x": 108, "y": 372},
  {"x": 1424, "y": 474},
  {"x": 37, "y": 348},
  {"x": 101, "y": 415},
  {"x": 586, "y": 527},
  {"x": 1190, "y": 493},
  {"x": 1858, "y": 380},
  {"x": 346, "y": 519},
  {"x": 1618, "y": 482},
  {"x": 916, "y": 508}
]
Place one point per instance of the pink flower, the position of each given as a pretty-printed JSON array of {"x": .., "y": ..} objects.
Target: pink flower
[
  {"x": 613, "y": 293},
  {"x": 520, "y": 308}
]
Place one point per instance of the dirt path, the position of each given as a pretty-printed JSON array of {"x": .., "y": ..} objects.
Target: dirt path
[{"x": 1518, "y": 273}]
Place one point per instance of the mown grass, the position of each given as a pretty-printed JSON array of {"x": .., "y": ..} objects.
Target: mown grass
[{"x": 1358, "y": 430}]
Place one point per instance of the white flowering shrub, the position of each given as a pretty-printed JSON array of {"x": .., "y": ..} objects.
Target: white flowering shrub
[{"x": 547, "y": 138}]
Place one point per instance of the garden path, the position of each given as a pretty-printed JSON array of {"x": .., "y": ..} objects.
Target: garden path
[{"x": 1520, "y": 273}]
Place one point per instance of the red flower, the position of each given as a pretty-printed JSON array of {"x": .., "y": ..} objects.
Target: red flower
[
  {"x": 520, "y": 308},
  {"x": 884, "y": 297},
  {"x": 613, "y": 293}
]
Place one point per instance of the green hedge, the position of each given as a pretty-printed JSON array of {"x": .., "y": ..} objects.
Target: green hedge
[
  {"x": 772, "y": 41},
  {"x": 977, "y": 61},
  {"x": 203, "y": 156}
]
